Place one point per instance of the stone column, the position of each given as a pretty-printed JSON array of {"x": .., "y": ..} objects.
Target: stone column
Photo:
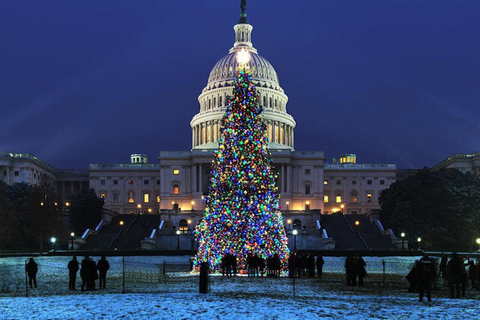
[
  {"x": 194, "y": 177},
  {"x": 200, "y": 179},
  {"x": 210, "y": 125}
]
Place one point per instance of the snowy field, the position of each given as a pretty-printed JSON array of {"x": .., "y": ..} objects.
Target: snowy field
[{"x": 176, "y": 296}]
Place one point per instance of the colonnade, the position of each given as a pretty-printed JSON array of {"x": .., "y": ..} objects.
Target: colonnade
[{"x": 209, "y": 132}]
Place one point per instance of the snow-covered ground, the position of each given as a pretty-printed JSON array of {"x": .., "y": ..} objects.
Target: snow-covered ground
[{"x": 176, "y": 296}]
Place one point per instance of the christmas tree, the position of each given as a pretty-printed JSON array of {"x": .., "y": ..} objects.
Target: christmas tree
[{"x": 242, "y": 213}]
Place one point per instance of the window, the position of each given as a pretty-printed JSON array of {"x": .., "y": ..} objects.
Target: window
[
  {"x": 339, "y": 182},
  {"x": 369, "y": 197},
  {"x": 146, "y": 181},
  {"x": 158, "y": 182},
  {"x": 297, "y": 224},
  {"x": 369, "y": 181},
  {"x": 354, "y": 182},
  {"x": 307, "y": 171},
  {"x": 158, "y": 199},
  {"x": 307, "y": 189},
  {"x": 354, "y": 199},
  {"x": 176, "y": 172},
  {"x": 102, "y": 195},
  {"x": 183, "y": 226},
  {"x": 146, "y": 197},
  {"x": 175, "y": 189},
  {"x": 325, "y": 199},
  {"x": 102, "y": 182},
  {"x": 354, "y": 211},
  {"x": 325, "y": 182},
  {"x": 115, "y": 181},
  {"x": 382, "y": 182},
  {"x": 338, "y": 199},
  {"x": 130, "y": 197},
  {"x": 115, "y": 197},
  {"x": 130, "y": 181},
  {"x": 17, "y": 173}
]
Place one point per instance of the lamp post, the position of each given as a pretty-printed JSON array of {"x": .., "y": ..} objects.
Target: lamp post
[
  {"x": 53, "y": 240},
  {"x": 72, "y": 235},
  {"x": 357, "y": 223},
  {"x": 478, "y": 242},
  {"x": 288, "y": 205},
  {"x": 403, "y": 240},
  {"x": 139, "y": 207},
  {"x": 342, "y": 206},
  {"x": 295, "y": 232},
  {"x": 419, "y": 240},
  {"x": 178, "y": 239}
]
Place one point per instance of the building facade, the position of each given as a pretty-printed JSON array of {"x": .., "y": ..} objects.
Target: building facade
[{"x": 178, "y": 182}]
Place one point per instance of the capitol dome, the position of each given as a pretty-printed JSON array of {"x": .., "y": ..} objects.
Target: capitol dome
[
  {"x": 214, "y": 97},
  {"x": 225, "y": 70}
]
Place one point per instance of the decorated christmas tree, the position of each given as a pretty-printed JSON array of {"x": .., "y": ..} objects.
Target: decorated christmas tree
[{"x": 242, "y": 213}]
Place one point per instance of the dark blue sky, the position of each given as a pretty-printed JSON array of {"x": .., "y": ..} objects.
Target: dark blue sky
[{"x": 93, "y": 81}]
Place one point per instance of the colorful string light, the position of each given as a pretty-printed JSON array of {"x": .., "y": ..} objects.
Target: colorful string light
[{"x": 242, "y": 212}]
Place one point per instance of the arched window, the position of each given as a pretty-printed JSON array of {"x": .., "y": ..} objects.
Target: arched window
[
  {"x": 264, "y": 101},
  {"x": 220, "y": 104},
  {"x": 297, "y": 224},
  {"x": 270, "y": 104},
  {"x": 209, "y": 103},
  {"x": 214, "y": 102},
  {"x": 131, "y": 198},
  {"x": 183, "y": 226}
]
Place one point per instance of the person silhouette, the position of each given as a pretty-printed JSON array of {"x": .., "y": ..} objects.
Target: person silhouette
[{"x": 31, "y": 268}]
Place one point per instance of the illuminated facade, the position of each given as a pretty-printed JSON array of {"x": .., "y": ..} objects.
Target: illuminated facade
[{"x": 176, "y": 185}]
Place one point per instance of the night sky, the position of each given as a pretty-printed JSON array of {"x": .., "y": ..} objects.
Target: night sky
[{"x": 89, "y": 81}]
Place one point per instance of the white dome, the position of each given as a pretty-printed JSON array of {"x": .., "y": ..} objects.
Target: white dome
[{"x": 225, "y": 70}]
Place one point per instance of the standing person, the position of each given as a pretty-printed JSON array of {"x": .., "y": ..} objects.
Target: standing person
[
  {"x": 319, "y": 264},
  {"x": 472, "y": 272},
  {"x": 311, "y": 265},
  {"x": 85, "y": 273},
  {"x": 31, "y": 268},
  {"x": 455, "y": 271},
  {"x": 102, "y": 266},
  {"x": 72, "y": 273},
  {"x": 93, "y": 273},
  {"x": 361, "y": 269},
  {"x": 443, "y": 270},
  {"x": 349, "y": 270},
  {"x": 426, "y": 275}
]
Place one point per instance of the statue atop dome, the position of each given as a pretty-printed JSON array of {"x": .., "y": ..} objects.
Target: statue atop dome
[{"x": 243, "y": 15}]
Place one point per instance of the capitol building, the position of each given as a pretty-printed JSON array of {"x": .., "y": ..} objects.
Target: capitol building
[{"x": 176, "y": 182}]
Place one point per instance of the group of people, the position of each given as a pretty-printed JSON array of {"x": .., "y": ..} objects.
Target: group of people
[
  {"x": 89, "y": 272},
  {"x": 355, "y": 269},
  {"x": 256, "y": 265},
  {"x": 304, "y": 264},
  {"x": 456, "y": 274},
  {"x": 229, "y": 265}
]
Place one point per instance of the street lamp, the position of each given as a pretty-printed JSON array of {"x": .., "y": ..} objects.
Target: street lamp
[
  {"x": 72, "y": 235},
  {"x": 478, "y": 242},
  {"x": 295, "y": 232},
  {"x": 288, "y": 205},
  {"x": 419, "y": 240},
  {"x": 178, "y": 239},
  {"x": 403, "y": 240},
  {"x": 342, "y": 206},
  {"x": 53, "y": 240},
  {"x": 139, "y": 207},
  {"x": 357, "y": 223}
]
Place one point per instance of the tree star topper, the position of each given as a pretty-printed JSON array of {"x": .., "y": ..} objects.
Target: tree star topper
[{"x": 243, "y": 57}]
